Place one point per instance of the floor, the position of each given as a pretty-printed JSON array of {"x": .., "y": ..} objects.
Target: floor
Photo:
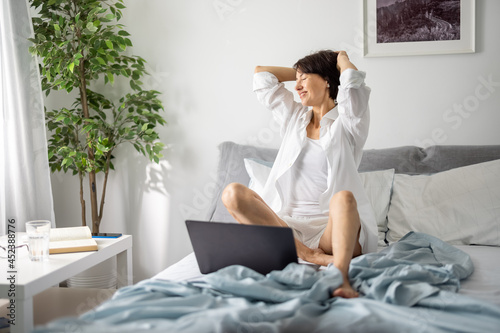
[{"x": 63, "y": 302}]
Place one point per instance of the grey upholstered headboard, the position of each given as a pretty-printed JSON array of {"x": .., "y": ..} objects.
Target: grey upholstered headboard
[
  {"x": 416, "y": 160},
  {"x": 407, "y": 159}
]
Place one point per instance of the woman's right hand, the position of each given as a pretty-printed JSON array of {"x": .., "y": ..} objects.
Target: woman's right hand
[{"x": 282, "y": 73}]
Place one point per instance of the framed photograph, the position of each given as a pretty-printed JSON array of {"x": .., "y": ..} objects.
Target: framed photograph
[{"x": 418, "y": 27}]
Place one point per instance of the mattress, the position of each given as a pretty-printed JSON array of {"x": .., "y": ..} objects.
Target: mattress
[
  {"x": 483, "y": 284},
  {"x": 410, "y": 286}
]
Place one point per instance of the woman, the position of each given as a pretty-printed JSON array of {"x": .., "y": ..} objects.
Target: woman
[{"x": 314, "y": 187}]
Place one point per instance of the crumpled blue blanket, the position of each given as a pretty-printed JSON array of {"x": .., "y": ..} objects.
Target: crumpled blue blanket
[{"x": 408, "y": 287}]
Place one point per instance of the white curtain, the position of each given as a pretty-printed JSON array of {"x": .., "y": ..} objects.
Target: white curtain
[{"x": 25, "y": 189}]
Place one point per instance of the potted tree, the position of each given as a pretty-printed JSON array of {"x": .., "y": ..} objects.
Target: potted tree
[{"x": 81, "y": 43}]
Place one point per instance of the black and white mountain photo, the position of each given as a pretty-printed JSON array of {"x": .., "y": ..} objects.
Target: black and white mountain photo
[{"x": 417, "y": 20}]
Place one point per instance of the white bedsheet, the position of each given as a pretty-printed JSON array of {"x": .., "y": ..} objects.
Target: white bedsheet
[
  {"x": 185, "y": 269},
  {"x": 483, "y": 284}
]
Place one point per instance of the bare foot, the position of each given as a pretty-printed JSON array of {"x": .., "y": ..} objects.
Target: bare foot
[
  {"x": 345, "y": 291},
  {"x": 319, "y": 257}
]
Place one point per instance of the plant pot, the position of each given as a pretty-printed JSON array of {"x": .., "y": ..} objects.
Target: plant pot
[{"x": 101, "y": 276}]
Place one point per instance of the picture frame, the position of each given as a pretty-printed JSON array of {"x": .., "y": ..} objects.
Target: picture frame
[{"x": 378, "y": 44}]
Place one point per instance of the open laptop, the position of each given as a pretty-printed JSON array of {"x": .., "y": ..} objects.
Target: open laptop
[{"x": 261, "y": 248}]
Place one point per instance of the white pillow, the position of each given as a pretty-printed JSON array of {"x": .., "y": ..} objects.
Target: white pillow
[
  {"x": 459, "y": 206},
  {"x": 377, "y": 184},
  {"x": 259, "y": 172}
]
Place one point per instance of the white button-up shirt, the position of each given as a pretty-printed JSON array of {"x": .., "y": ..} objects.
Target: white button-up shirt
[{"x": 343, "y": 133}]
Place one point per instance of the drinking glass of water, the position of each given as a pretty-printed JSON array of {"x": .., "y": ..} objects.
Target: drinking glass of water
[{"x": 38, "y": 239}]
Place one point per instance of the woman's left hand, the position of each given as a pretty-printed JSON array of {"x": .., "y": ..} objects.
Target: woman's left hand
[{"x": 343, "y": 61}]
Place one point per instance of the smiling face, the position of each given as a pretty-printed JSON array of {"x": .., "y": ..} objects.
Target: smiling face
[
  {"x": 312, "y": 89},
  {"x": 313, "y": 72}
]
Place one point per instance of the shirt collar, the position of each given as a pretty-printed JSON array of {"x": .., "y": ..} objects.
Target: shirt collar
[
  {"x": 331, "y": 115},
  {"x": 307, "y": 115}
]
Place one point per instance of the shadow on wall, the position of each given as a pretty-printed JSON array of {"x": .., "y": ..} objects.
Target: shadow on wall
[
  {"x": 145, "y": 198},
  {"x": 141, "y": 193}
]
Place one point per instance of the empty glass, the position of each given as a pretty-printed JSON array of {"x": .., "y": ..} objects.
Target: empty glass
[{"x": 38, "y": 239}]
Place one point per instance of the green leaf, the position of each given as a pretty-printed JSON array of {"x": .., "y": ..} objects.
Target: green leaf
[
  {"x": 71, "y": 67},
  {"x": 134, "y": 86},
  {"x": 109, "y": 44},
  {"x": 136, "y": 75},
  {"x": 111, "y": 78},
  {"x": 91, "y": 27},
  {"x": 121, "y": 6}
]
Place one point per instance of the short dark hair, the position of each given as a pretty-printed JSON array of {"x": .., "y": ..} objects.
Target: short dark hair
[{"x": 323, "y": 63}]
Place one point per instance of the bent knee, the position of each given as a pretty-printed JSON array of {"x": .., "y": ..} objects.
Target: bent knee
[
  {"x": 232, "y": 194},
  {"x": 344, "y": 199}
]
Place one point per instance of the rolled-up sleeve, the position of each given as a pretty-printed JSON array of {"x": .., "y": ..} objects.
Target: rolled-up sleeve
[
  {"x": 353, "y": 106},
  {"x": 275, "y": 97},
  {"x": 353, "y": 94}
]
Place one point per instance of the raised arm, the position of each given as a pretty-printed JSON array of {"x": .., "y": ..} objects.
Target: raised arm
[
  {"x": 343, "y": 62},
  {"x": 282, "y": 73}
]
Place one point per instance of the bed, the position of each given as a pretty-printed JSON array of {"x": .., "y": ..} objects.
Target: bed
[{"x": 437, "y": 268}]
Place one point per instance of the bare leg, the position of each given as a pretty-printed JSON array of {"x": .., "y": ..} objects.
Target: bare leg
[
  {"x": 341, "y": 237},
  {"x": 247, "y": 207}
]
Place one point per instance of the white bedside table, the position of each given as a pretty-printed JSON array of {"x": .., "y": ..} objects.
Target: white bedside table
[{"x": 32, "y": 278}]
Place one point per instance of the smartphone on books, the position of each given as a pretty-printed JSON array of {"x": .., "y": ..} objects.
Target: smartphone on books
[{"x": 105, "y": 235}]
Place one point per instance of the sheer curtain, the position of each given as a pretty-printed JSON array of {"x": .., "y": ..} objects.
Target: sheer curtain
[{"x": 25, "y": 189}]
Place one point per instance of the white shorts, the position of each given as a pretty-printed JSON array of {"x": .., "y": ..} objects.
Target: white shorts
[{"x": 307, "y": 230}]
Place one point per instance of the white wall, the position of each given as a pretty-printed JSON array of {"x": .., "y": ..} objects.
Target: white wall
[{"x": 202, "y": 58}]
